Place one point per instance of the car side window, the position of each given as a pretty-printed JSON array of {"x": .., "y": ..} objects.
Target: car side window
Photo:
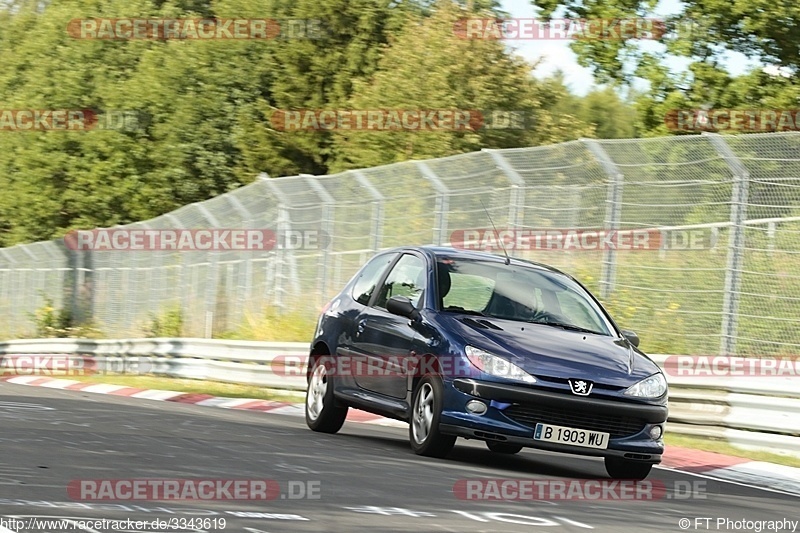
[
  {"x": 407, "y": 278},
  {"x": 370, "y": 276}
]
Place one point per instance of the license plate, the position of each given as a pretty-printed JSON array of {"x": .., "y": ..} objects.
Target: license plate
[{"x": 571, "y": 436}]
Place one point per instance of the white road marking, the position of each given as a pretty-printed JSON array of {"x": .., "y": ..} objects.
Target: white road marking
[
  {"x": 23, "y": 380},
  {"x": 103, "y": 388},
  {"x": 19, "y": 406},
  {"x": 294, "y": 410},
  {"x": 231, "y": 403},
  {"x": 155, "y": 394},
  {"x": 213, "y": 402},
  {"x": 59, "y": 383}
]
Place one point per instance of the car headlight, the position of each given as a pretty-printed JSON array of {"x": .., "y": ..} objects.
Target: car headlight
[
  {"x": 653, "y": 387},
  {"x": 496, "y": 366}
]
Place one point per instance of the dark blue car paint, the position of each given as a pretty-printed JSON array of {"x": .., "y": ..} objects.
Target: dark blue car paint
[{"x": 550, "y": 354}]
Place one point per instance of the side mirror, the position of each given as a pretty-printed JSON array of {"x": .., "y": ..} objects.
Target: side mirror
[
  {"x": 401, "y": 305},
  {"x": 632, "y": 337}
]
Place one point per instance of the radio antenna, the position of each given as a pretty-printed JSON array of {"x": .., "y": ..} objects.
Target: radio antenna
[{"x": 496, "y": 234}]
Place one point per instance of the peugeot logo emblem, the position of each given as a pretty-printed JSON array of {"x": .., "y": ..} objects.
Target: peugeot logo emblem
[{"x": 581, "y": 387}]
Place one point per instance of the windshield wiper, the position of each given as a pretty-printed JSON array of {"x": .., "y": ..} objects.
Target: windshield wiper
[
  {"x": 454, "y": 309},
  {"x": 571, "y": 327}
]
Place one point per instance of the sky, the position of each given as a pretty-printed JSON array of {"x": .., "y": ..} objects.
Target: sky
[{"x": 556, "y": 54}]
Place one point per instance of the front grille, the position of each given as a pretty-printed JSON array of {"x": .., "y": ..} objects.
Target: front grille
[
  {"x": 617, "y": 426},
  {"x": 565, "y": 382}
]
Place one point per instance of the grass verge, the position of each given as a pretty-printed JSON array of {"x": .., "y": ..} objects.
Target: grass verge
[{"x": 719, "y": 446}]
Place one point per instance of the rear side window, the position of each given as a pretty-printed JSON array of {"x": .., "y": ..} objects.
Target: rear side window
[{"x": 369, "y": 277}]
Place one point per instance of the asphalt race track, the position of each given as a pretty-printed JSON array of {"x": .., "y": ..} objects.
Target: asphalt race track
[{"x": 366, "y": 476}]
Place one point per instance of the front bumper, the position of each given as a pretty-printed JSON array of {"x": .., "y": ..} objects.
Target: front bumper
[{"x": 494, "y": 425}]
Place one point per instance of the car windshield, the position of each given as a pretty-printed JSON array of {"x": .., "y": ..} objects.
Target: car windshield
[{"x": 519, "y": 293}]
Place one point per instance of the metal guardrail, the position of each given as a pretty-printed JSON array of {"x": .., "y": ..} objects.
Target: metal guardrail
[
  {"x": 757, "y": 413},
  {"x": 754, "y": 413},
  {"x": 246, "y": 362}
]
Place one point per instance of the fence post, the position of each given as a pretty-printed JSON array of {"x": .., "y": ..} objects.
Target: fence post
[
  {"x": 72, "y": 283},
  {"x": 608, "y": 276},
  {"x": 213, "y": 278},
  {"x": 151, "y": 300},
  {"x": 328, "y": 220},
  {"x": 282, "y": 255},
  {"x": 26, "y": 281},
  {"x": 246, "y": 283},
  {"x": 283, "y": 227},
  {"x": 377, "y": 209},
  {"x": 733, "y": 268},
  {"x": 516, "y": 209},
  {"x": 442, "y": 203},
  {"x": 184, "y": 289}
]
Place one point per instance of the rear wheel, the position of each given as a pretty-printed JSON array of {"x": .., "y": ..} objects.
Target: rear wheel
[
  {"x": 322, "y": 413},
  {"x": 625, "y": 469},
  {"x": 503, "y": 447},
  {"x": 426, "y": 410}
]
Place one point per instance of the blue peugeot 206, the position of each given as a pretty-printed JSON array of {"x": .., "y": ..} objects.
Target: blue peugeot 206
[{"x": 469, "y": 344}]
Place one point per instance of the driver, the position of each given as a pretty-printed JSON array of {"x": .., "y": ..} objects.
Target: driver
[{"x": 514, "y": 298}]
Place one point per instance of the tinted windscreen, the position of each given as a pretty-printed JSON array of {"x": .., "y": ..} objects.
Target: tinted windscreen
[{"x": 517, "y": 293}]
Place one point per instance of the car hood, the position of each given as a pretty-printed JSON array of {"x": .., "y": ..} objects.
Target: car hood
[{"x": 547, "y": 351}]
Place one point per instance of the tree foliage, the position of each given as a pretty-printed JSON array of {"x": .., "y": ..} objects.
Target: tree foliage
[
  {"x": 706, "y": 36},
  {"x": 205, "y": 107}
]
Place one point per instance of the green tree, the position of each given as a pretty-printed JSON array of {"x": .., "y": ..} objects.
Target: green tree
[
  {"x": 611, "y": 115},
  {"x": 207, "y": 105},
  {"x": 704, "y": 33},
  {"x": 321, "y": 72},
  {"x": 429, "y": 67}
]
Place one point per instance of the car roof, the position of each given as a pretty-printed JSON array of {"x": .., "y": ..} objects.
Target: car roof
[{"x": 445, "y": 252}]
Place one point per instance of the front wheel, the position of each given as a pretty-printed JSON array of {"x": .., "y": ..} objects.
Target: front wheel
[
  {"x": 624, "y": 469},
  {"x": 503, "y": 447},
  {"x": 426, "y": 411},
  {"x": 322, "y": 413}
]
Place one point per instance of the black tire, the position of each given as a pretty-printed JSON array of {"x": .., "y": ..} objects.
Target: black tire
[
  {"x": 322, "y": 412},
  {"x": 503, "y": 447},
  {"x": 431, "y": 443},
  {"x": 624, "y": 469}
]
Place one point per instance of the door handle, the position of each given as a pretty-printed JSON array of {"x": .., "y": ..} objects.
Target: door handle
[{"x": 360, "y": 326}]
